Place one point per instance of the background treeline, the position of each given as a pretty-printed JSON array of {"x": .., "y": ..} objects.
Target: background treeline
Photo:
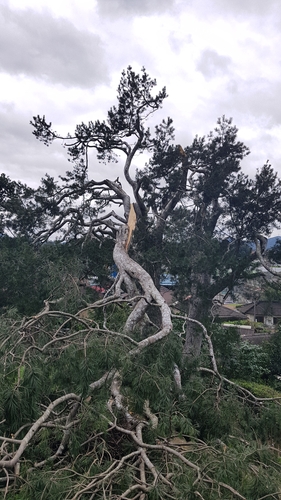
[{"x": 29, "y": 275}]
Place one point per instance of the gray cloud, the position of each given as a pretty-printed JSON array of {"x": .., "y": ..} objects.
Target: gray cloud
[
  {"x": 121, "y": 8},
  {"x": 256, "y": 110},
  {"x": 257, "y": 10},
  {"x": 251, "y": 102},
  {"x": 256, "y": 98},
  {"x": 53, "y": 49},
  {"x": 22, "y": 157},
  {"x": 211, "y": 64},
  {"x": 250, "y": 7}
]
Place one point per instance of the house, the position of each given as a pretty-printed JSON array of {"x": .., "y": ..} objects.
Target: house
[
  {"x": 218, "y": 312},
  {"x": 224, "y": 313},
  {"x": 262, "y": 311}
]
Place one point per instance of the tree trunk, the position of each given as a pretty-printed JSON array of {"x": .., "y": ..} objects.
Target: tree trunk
[
  {"x": 132, "y": 273},
  {"x": 199, "y": 305}
]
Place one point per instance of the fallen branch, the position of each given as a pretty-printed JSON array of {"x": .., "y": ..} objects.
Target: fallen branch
[{"x": 35, "y": 427}]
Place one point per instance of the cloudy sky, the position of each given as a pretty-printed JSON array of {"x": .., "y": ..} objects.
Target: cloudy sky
[{"x": 63, "y": 58}]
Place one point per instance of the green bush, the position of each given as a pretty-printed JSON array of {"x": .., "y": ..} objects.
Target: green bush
[
  {"x": 237, "y": 358},
  {"x": 259, "y": 390}
]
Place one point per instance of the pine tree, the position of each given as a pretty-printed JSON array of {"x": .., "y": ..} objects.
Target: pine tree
[{"x": 99, "y": 398}]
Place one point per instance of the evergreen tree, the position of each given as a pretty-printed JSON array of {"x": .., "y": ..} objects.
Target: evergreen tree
[
  {"x": 194, "y": 202},
  {"x": 30, "y": 275},
  {"x": 98, "y": 397}
]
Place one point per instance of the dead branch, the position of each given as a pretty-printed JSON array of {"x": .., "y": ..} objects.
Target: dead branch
[
  {"x": 117, "y": 400},
  {"x": 177, "y": 377},
  {"x": 106, "y": 475},
  {"x": 99, "y": 383},
  {"x": 66, "y": 435},
  {"x": 157, "y": 447}
]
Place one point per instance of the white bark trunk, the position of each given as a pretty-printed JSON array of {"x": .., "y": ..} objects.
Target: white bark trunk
[{"x": 129, "y": 268}]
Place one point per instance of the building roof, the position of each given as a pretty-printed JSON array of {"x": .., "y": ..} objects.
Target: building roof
[
  {"x": 167, "y": 294},
  {"x": 262, "y": 308},
  {"x": 221, "y": 312},
  {"x": 227, "y": 313}
]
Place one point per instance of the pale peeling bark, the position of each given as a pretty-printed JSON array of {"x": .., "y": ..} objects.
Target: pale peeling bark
[
  {"x": 128, "y": 268},
  {"x": 136, "y": 315},
  {"x": 177, "y": 377},
  {"x": 99, "y": 383},
  {"x": 152, "y": 417}
]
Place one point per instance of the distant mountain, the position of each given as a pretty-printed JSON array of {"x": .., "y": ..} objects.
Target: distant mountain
[{"x": 270, "y": 242}]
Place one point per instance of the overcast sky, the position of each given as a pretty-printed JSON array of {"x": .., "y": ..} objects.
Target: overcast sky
[{"x": 63, "y": 58}]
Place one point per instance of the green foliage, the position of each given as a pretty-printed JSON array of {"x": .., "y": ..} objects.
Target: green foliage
[
  {"x": 19, "y": 212},
  {"x": 252, "y": 362},
  {"x": 238, "y": 358},
  {"x": 29, "y": 276},
  {"x": 273, "y": 349},
  {"x": 223, "y": 434},
  {"x": 259, "y": 390}
]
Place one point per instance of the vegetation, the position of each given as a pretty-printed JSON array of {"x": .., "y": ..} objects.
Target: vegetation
[
  {"x": 92, "y": 411},
  {"x": 31, "y": 275},
  {"x": 114, "y": 396}
]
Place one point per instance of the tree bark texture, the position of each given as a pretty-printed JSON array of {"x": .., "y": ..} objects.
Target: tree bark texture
[
  {"x": 198, "y": 306},
  {"x": 149, "y": 295}
]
